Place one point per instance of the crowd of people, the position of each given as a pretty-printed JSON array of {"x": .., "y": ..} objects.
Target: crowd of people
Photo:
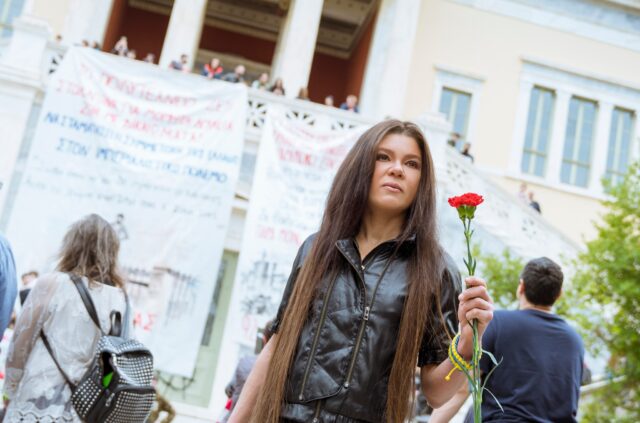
[
  {"x": 215, "y": 69},
  {"x": 378, "y": 236}
]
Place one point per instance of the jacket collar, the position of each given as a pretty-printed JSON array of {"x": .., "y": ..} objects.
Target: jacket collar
[{"x": 349, "y": 248}]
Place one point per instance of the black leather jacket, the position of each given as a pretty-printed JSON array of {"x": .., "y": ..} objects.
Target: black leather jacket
[{"x": 344, "y": 355}]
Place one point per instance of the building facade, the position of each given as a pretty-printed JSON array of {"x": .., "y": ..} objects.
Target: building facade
[{"x": 545, "y": 92}]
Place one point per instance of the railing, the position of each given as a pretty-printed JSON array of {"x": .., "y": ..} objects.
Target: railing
[
  {"x": 306, "y": 112},
  {"x": 504, "y": 216}
]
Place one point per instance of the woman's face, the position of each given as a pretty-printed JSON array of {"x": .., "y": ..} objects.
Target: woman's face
[{"x": 396, "y": 175}]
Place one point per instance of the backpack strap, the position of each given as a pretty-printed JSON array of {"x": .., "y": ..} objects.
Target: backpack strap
[
  {"x": 86, "y": 299},
  {"x": 127, "y": 316},
  {"x": 120, "y": 327},
  {"x": 116, "y": 323},
  {"x": 45, "y": 341}
]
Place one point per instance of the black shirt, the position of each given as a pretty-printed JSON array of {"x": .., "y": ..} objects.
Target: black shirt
[{"x": 539, "y": 377}]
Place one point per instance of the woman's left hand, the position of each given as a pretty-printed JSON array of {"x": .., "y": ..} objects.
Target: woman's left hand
[{"x": 475, "y": 303}]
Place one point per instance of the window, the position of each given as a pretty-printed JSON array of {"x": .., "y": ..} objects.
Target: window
[
  {"x": 536, "y": 143},
  {"x": 455, "y": 105},
  {"x": 9, "y": 9},
  {"x": 619, "y": 144},
  {"x": 576, "y": 159}
]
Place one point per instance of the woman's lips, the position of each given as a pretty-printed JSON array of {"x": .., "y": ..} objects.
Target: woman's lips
[{"x": 390, "y": 186}]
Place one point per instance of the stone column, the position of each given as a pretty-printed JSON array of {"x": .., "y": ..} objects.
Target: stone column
[
  {"x": 86, "y": 20},
  {"x": 296, "y": 45},
  {"x": 600, "y": 146},
  {"x": 184, "y": 31},
  {"x": 21, "y": 71},
  {"x": 558, "y": 133},
  {"x": 389, "y": 63}
]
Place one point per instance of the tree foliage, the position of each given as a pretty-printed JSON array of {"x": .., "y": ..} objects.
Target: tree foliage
[
  {"x": 607, "y": 285},
  {"x": 502, "y": 271}
]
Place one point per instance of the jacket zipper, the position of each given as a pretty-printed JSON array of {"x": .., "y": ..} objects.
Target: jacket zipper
[
  {"x": 323, "y": 315},
  {"x": 316, "y": 415},
  {"x": 365, "y": 318}
]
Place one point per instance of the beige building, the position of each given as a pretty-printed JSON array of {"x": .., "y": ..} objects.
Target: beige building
[
  {"x": 550, "y": 92},
  {"x": 546, "y": 92}
]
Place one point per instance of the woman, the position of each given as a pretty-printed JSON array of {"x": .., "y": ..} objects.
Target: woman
[
  {"x": 213, "y": 69},
  {"x": 121, "y": 47},
  {"x": 367, "y": 301},
  {"x": 34, "y": 387},
  {"x": 278, "y": 87},
  {"x": 262, "y": 83}
]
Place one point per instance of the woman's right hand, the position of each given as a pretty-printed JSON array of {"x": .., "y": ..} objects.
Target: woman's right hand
[{"x": 475, "y": 304}]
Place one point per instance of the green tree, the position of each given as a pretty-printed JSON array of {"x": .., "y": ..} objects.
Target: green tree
[
  {"x": 607, "y": 282},
  {"x": 502, "y": 271}
]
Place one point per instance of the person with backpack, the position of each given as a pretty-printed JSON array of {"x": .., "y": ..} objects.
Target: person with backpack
[{"x": 69, "y": 359}]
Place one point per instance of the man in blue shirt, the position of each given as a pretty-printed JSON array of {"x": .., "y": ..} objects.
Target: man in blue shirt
[
  {"x": 8, "y": 283},
  {"x": 542, "y": 356}
]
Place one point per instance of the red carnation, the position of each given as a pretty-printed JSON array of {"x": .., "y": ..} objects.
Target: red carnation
[
  {"x": 469, "y": 199},
  {"x": 454, "y": 202}
]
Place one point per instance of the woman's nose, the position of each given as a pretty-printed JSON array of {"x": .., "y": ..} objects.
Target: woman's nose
[{"x": 396, "y": 169}]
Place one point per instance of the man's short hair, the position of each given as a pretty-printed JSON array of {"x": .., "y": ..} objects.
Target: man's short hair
[{"x": 542, "y": 281}]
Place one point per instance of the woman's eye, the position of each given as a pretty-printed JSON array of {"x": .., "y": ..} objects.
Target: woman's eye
[
  {"x": 382, "y": 156},
  {"x": 413, "y": 164}
]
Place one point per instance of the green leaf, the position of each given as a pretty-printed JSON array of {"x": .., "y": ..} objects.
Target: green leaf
[
  {"x": 492, "y": 357},
  {"x": 486, "y": 378},
  {"x": 496, "y": 399},
  {"x": 469, "y": 378}
]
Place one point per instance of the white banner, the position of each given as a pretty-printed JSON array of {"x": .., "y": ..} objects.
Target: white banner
[
  {"x": 157, "y": 154},
  {"x": 295, "y": 167}
]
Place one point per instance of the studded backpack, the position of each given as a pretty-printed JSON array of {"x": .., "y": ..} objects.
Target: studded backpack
[{"x": 117, "y": 386}]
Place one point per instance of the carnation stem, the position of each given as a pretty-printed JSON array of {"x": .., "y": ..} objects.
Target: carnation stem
[{"x": 476, "y": 386}]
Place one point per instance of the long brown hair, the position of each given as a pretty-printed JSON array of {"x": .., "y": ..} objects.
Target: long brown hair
[
  {"x": 90, "y": 248},
  {"x": 342, "y": 218}
]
